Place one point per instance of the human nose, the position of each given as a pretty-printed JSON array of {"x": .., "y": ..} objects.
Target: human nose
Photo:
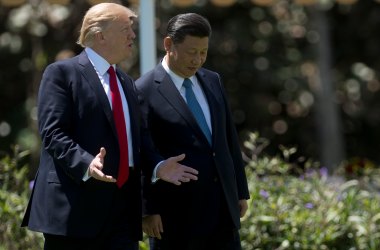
[
  {"x": 132, "y": 35},
  {"x": 197, "y": 59}
]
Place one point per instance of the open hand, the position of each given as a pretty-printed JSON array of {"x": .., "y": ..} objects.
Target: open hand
[
  {"x": 172, "y": 171},
  {"x": 96, "y": 166}
]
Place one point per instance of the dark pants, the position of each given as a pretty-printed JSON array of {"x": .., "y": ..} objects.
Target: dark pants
[
  {"x": 220, "y": 239},
  {"x": 118, "y": 233},
  {"x": 223, "y": 236},
  {"x": 117, "y": 242}
]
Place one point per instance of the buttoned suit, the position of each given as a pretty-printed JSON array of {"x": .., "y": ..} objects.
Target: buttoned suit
[
  {"x": 196, "y": 207},
  {"x": 75, "y": 121}
]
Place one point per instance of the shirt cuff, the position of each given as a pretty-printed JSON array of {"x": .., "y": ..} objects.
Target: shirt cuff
[
  {"x": 154, "y": 175},
  {"x": 86, "y": 175}
]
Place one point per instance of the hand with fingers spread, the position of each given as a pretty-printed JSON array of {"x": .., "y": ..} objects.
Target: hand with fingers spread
[
  {"x": 96, "y": 166},
  {"x": 152, "y": 226},
  {"x": 172, "y": 171}
]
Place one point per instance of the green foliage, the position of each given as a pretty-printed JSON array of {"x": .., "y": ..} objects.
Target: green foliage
[
  {"x": 144, "y": 245},
  {"x": 307, "y": 210},
  {"x": 14, "y": 194},
  {"x": 291, "y": 206}
]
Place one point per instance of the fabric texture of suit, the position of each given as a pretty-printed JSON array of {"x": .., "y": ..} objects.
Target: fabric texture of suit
[
  {"x": 75, "y": 121},
  {"x": 195, "y": 207}
]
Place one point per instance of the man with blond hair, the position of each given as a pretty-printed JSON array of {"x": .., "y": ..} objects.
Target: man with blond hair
[{"x": 87, "y": 192}]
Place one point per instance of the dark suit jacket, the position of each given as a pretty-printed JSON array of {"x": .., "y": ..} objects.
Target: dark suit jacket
[
  {"x": 192, "y": 207},
  {"x": 75, "y": 120}
]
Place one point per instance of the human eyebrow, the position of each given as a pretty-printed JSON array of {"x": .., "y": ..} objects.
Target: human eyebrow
[{"x": 125, "y": 28}]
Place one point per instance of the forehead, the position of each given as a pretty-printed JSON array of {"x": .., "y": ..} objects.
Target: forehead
[
  {"x": 195, "y": 42},
  {"x": 125, "y": 18},
  {"x": 123, "y": 14},
  {"x": 121, "y": 22}
]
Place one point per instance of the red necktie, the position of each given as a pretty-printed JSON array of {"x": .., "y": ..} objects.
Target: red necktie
[{"x": 118, "y": 115}]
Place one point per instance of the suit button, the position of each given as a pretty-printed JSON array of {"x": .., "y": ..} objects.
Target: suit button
[
  {"x": 215, "y": 179},
  {"x": 214, "y": 154}
]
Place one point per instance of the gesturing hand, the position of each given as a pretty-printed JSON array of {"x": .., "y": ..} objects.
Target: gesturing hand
[
  {"x": 172, "y": 171},
  {"x": 96, "y": 166}
]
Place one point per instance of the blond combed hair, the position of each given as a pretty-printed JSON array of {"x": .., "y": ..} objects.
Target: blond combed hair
[{"x": 97, "y": 19}]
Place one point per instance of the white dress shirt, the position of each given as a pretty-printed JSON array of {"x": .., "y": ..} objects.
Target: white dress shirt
[
  {"x": 101, "y": 67},
  {"x": 199, "y": 94}
]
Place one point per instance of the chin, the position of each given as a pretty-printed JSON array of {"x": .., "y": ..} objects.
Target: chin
[
  {"x": 127, "y": 55},
  {"x": 192, "y": 73}
]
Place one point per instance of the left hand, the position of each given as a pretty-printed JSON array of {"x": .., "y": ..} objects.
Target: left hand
[
  {"x": 172, "y": 171},
  {"x": 243, "y": 206},
  {"x": 152, "y": 225}
]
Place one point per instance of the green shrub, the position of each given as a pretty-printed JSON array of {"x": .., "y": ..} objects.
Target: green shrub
[
  {"x": 292, "y": 205},
  {"x": 307, "y": 209},
  {"x": 14, "y": 195}
]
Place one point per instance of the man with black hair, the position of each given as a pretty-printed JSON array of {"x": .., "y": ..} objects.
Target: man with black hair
[{"x": 186, "y": 110}]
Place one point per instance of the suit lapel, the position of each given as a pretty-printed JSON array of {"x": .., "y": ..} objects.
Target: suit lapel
[
  {"x": 132, "y": 105},
  {"x": 168, "y": 90},
  {"x": 213, "y": 104},
  {"x": 93, "y": 80}
]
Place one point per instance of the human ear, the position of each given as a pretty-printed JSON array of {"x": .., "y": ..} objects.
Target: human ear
[
  {"x": 99, "y": 36},
  {"x": 168, "y": 43}
]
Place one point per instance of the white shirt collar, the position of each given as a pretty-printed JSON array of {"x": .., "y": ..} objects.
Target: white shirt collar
[
  {"x": 100, "y": 64},
  {"x": 177, "y": 80}
]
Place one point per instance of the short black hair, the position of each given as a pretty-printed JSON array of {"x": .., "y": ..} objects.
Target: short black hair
[{"x": 191, "y": 24}]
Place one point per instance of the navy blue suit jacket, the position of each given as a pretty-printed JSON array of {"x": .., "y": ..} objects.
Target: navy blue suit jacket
[
  {"x": 75, "y": 121},
  {"x": 192, "y": 207}
]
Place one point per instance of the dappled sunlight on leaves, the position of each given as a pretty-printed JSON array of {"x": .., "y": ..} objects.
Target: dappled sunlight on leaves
[{"x": 307, "y": 208}]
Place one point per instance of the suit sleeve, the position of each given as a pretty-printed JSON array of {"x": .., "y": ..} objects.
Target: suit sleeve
[
  {"x": 235, "y": 150},
  {"x": 55, "y": 121},
  {"x": 149, "y": 159}
]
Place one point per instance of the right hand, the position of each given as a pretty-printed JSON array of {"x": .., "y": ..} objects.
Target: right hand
[
  {"x": 96, "y": 166},
  {"x": 152, "y": 226},
  {"x": 172, "y": 171}
]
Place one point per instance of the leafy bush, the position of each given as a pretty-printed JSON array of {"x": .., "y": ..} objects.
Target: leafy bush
[
  {"x": 294, "y": 205},
  {"x": 14, "y": 195},
  {"x": 307, "y": 209}
]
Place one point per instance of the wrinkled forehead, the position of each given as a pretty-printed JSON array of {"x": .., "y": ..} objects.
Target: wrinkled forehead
[{"x": 125, "y": 13}]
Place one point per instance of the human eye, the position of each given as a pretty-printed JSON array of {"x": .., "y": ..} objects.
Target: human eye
[{"x": 126, "y": 29}]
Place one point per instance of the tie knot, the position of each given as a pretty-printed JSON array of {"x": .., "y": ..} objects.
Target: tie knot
[
  {"x": 187, "y": 83},
  {"x": 111, "y": 70}
]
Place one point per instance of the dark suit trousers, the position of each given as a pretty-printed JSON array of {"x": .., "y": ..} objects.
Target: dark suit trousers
[
  {"x": 221, "y": 239},
  {"x": 116, "y": 242},
  {"x": 116, "y": 233}
]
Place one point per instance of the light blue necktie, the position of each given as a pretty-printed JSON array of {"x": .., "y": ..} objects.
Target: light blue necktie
[{"x": 196, "y": 109}]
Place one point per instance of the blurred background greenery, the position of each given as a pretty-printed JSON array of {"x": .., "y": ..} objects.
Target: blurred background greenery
[
  {"x": 304, "y": 74},
  {"x": 301, "y": 72}
]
